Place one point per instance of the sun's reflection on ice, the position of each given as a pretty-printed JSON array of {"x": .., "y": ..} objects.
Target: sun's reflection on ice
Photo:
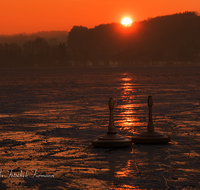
[{"x": 128, "y": 115}]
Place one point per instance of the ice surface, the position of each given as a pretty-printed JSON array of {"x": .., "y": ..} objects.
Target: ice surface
[{"x": 48, "y": 119}]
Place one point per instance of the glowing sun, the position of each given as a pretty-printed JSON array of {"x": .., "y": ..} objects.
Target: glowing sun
[{"x": 126, "y": 21}]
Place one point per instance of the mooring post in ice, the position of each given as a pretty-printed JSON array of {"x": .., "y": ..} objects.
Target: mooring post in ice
[
  {"x": 150, "y": 136},
  {"x": 150, "y": 126},
  {"x": 111, "y": 127},
  {"x": 111, "y": 139}
]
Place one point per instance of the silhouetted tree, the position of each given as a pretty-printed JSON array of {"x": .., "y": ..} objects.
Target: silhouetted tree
[
  {"x": 165, "y": 38},
  {"x": 172, "y": 37},
  {"x": 37, "y": 52}
]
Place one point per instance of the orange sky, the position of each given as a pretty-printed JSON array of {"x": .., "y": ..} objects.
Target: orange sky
[{"x": 29, "y": 16}]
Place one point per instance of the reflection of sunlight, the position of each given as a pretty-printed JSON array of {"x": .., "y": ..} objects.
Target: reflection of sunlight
[
  {"x": 125, "y": 171},
  {"x": 123, "y": 186},
  {"x": 128, "y": 88},
  {"x": 128, "y": 171},
  {"x": 128, "y": 187},
  {"x": 5, "y": 115},
  {"x": 128, "y": 118},
  {"x": 126, "y": 79},
  {"x": 129, "y": 106},
  {"x": 192, "y": 154}
]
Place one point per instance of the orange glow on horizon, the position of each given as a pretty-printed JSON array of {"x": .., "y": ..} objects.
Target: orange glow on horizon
[{"x": 35, "y": 15}]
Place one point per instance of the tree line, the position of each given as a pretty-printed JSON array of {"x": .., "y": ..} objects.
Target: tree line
[
  {"x": 165, "y": 38},
  {"x": 168, "y": 38},
  {"x": 33, "y": 54}
]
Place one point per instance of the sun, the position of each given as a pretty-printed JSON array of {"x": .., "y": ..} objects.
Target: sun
[{"x": 126, "y": 21}]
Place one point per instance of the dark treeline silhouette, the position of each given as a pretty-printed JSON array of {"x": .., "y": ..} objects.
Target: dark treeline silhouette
[
  {"x": 33, "y": 54},
  {"x": 41, "y": 49},
  {"x": 162, "y": 40},
  {"x": 171, "y": 38}
]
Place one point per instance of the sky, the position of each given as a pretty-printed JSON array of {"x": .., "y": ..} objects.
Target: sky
[{"x": 30, "y": 16}]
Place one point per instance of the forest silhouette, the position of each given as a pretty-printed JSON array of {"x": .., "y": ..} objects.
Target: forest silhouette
[{"x": 166, "y": 39}]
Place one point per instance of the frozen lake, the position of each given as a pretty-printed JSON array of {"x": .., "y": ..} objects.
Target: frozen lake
[{"x": 48, "y": 119}]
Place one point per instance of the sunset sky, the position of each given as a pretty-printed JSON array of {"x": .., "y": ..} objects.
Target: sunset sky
[{"x": 29, "y": 16}]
